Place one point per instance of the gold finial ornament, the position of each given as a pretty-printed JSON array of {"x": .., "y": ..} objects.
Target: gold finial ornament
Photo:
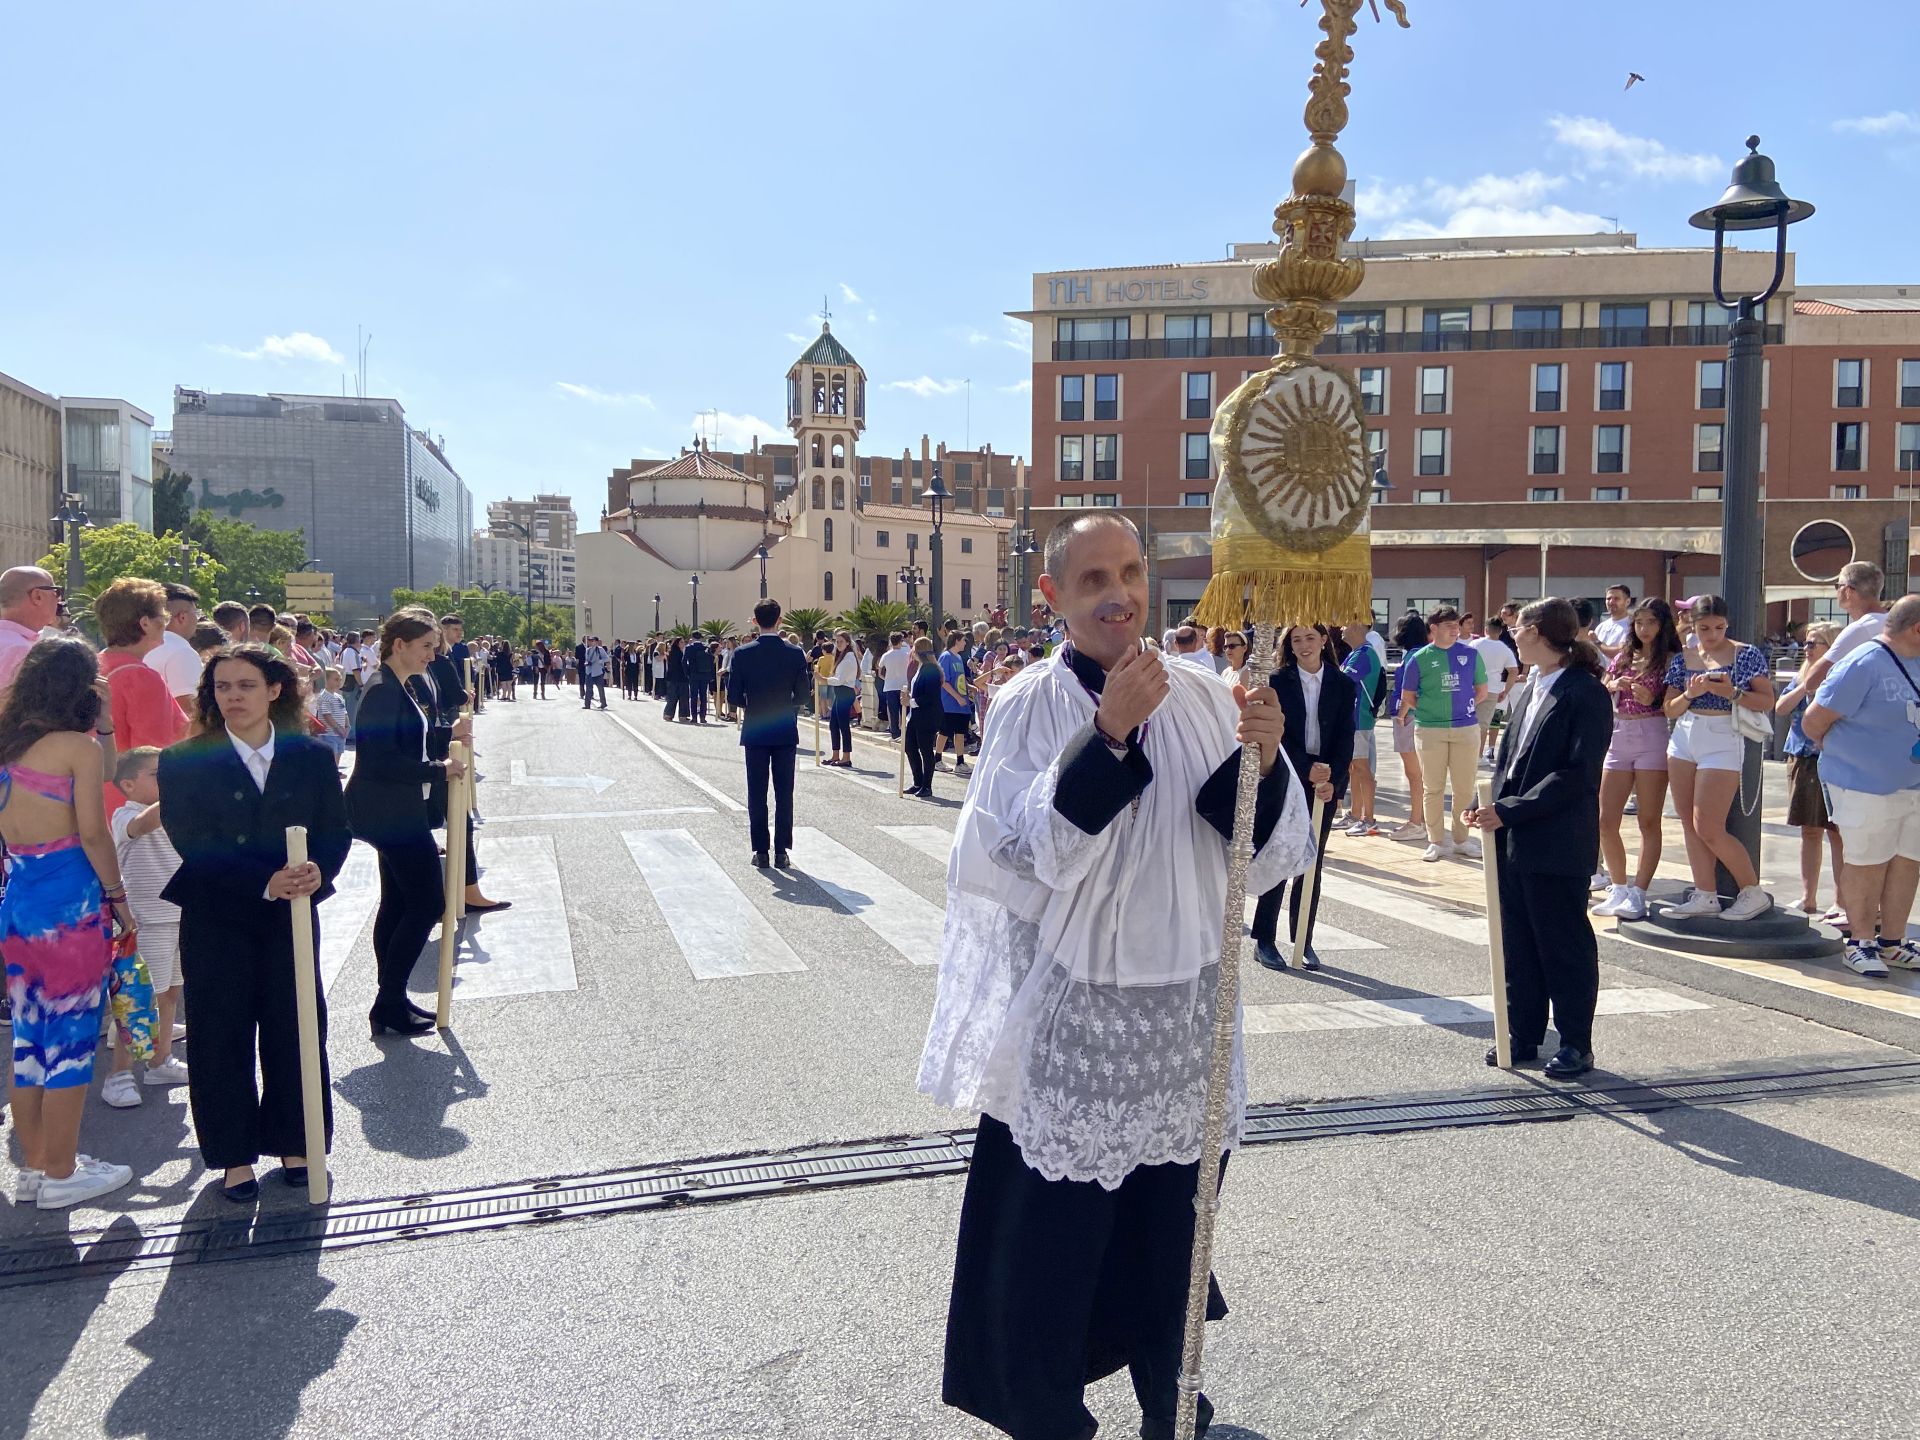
[{"x": 1290, "y": 509}]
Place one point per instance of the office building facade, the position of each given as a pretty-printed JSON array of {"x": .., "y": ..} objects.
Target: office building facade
[{"x": 29, "y": 471}]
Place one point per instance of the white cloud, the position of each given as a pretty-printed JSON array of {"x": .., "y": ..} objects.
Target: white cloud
[
  {"x": 846, "y": 292},
  {"x": 1489, "y": 205},
  {"x": 799, "y": 339},
  {"x": 297, "y": 346},
  {"x": 1894, "y": 122},
  {"x": 1018, "y": 334},
  {"x": 1019, "y": 387},
  {"x": 926, "y": 387},
  {"x": 602, "y": 397},
  {"x": 733, "y": 432},
  {"x": 872, "y": 318},
  {"x": 1636, "y": 156}
]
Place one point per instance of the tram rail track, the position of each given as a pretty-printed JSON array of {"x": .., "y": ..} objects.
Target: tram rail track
[{"x": 48, "y": 1258}]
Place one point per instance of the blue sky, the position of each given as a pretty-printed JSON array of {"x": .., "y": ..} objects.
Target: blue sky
[{"x": 571, "y": 228}]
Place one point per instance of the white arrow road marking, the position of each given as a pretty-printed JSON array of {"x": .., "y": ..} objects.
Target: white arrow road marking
[{"x": 517, "y": 771}]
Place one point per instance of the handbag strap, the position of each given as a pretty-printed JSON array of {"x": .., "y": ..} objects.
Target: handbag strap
[{"x": 1899, "y": 665}]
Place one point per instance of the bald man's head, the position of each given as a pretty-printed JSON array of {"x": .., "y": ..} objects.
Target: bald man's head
[{"x": 29, "y": 597}]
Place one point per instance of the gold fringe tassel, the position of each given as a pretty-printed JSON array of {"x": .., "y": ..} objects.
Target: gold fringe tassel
[{"x": 1280, "y": 596}]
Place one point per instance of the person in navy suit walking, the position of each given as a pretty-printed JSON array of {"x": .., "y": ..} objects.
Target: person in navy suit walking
[{"x": 770, "y": 683}]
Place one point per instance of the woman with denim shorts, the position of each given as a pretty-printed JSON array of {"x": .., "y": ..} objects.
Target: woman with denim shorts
[{"x": 1636, "y": 763}]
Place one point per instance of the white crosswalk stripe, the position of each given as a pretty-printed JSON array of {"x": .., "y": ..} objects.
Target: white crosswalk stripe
[
  {"x": 903, "y": 918},
  {"x": 344, "y": 914},
  {"x": 1414, "y": 1010},
  {"x": 522, "y": 951},
  {"x": 719, "y": 931}
]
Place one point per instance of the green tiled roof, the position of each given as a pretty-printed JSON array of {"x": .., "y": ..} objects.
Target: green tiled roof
[{"x": 826, "y": 350}]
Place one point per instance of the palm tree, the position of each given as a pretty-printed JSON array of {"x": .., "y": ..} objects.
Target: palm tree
[
  {"x": 682, "y": 631},
  {"x": 717, "y": 630},
  {"x": 869, "y": 616},
  {"x": 807, "y": 621}
]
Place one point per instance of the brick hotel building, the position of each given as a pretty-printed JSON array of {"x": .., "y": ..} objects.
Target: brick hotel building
[{"x": 1540, "y": 403}]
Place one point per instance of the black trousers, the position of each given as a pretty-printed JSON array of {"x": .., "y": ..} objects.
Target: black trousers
[
  {"x": 890, "y": 710},
  {"x": 413, "y": 897},
  {"x": 921, "y": 733},
  {"x": 238, "y": 967},
  {"x": 1059, "y": 1283},
  {"x": 699, "y": 698},
  {"x": 1266, "y": 912},
  {"x": 775, "y": 763},
  {"x": 1552, "y": 956},
  {"x": 676, "y": 699}
]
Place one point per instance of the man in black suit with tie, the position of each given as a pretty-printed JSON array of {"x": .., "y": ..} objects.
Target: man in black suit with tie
[
  {"x": 770, "y": 683},
  {"x": 1545, "y": 817},
  {"x": 699, "y": 662}
]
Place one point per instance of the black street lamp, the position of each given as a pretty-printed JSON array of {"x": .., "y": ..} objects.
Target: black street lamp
[
  {"x": 72, "y": 518},
  {"x": 1023, "y": 551},
  {"x": 760, "y": 554},
  {"x": 694, "y": 581},
  {"x": 910, "y": 575},
  {"x": 937, "y": 495},
  {"x": 656, "y": 614},
  {"x": 1754, "y": 201}
]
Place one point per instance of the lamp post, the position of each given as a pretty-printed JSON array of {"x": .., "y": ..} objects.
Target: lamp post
[
  {"x": 937, "y": 496},
  {"x": 1024, "y": 550},
  {"x": 1753, "y": 201},
  {"x": 656, "y": 613},
  {"x": 694, "y": 581},
  {"x": 72, "y": 518},
  {"x": 910, "y": 575},
  {"x": 760, "y": 554}
]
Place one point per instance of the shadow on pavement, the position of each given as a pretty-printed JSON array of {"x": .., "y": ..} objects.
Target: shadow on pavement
[
  {"x": 230, "y": 1340},
  {"x": 403, "y": 1098},
  {"x": 60, "y": 1317}
]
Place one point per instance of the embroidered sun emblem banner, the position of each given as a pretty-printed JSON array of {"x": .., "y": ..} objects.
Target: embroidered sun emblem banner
[{"x": 1293, "y": 448}]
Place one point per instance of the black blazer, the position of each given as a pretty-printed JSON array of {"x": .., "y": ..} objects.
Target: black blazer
[
  {"x": 1337, "y": 692},
  {"x": 1548, "y": 794},
  {"x": 770, "y": 682},
  {"x": 383, "y": 795},
  {"x": 677, "y": 666},
  {"x": 231, "y": 835},
  {"x": 699, "y": 660}
]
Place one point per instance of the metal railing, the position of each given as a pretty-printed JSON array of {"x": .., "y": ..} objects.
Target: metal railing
[{"x": 1415, "y": 342}]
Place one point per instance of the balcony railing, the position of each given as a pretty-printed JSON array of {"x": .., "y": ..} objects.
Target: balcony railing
[{"x": 1411, "y": 342}]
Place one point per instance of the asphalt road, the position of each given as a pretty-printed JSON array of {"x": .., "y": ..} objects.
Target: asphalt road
[{"x": 1735, "y": 1270}]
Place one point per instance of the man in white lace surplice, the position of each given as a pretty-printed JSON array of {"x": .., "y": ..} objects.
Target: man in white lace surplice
[{"x": 1078, "y": 974}]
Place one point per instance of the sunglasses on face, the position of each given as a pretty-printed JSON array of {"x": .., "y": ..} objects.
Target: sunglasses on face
[
  {"x": 59, "y": 591},
  {"x": 1234, "y": 644}
]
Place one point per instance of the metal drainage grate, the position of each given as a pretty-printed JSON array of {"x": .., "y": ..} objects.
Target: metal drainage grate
[{"x": 40, "y": 1259}]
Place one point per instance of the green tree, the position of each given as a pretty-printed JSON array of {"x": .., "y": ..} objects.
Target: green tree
[
  {"x": 868, "y": 616},
  {"x": 806, "y": 621},
  {"x": 682, "y": 631},
  {"x": 172, "y": 502},
  {"x": 111, "y": 551},
  {"x": 718, "y": 630},
  {"x": 499, "y": 613},
  {"x": 251, "y": 558}
]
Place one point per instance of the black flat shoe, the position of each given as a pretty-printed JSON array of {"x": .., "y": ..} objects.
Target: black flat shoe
[
  {"x": 294, "y": 1174},
  {"x": 1569, "y": 1064},
  {"x": 759, "y": 859},
  {"x": 245, "y": 1193},
  {"x": 782, "y": 861},
  {"x": 1522, "y": 1055},
  {"x": 1268, "y": 954},
  {"x": 409, "y": 1024},
  {"x": 1309, "y": 961},
  {"x": 488, "y": 909}
]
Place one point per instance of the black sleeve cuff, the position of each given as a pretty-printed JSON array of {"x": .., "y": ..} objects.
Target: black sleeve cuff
[
  {"x": 1216, "y": 799},
  {"x": 1096, "y": 784}
]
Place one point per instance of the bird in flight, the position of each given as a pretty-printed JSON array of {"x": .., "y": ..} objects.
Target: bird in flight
[{"x": 1633, "y": 76}]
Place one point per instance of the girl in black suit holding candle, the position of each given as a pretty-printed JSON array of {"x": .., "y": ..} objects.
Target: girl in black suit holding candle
[
  {"x": 388, "y": 801},
  {"x": 227, "y": 796}
]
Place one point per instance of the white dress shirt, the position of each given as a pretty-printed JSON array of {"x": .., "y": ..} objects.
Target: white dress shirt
[
  {"x": 258, "y": 762},
  {"x": 1543, "y": 683},
  {"x": 1310, "y": 683}
]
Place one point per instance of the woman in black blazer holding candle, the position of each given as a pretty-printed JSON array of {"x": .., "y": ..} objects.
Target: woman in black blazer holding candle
[
  {"x": 387, "y": 798},
  {"x": 1317, "y": 698},
  {"x": 227, "y": 796}
]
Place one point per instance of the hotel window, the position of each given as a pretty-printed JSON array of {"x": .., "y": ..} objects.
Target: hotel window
[
  {"x": 1541, "y": 324},
  {"x": 1540, "y": 494},
  {"x": 1194, "y": 452},
  {"x": 1849, "y": 384},
  {"x": 1610, "y": 492},
  {"x": 1106, "y": 502},
  {"x": 1073, "y": 397},
  {"x": 1848, "y": 492},
  {"x": 1073, "y": 456},
  {"x": 966, "y": 544},
  {"x": 1445, "y": 329},
  {"x": 1373, "y": 392},
  {"x": 1609, "y": 449},
  {"x": 966, "y": 594},
  {"x": 1702, "y": 314},
  {"x": 1546, "y": 450},
  {"x": 1908, "y": 459},
  {"x": 1612, "y": 394},
  {"x": 1359, "y": 331},
  {"x": 1623, "y": 324},
  {"x": 1910, "y": 384},
  {"x": 1106, "y": 453},
  {"x": 1433, "y": 452},
  {"x": 1548, "y": 383},
  {"x": 1106, "y": 397},
  {"x": 1116, "y": 329},
  {"x": 1189, "y": 335},
  {"x": 882, "y": 539},
  {"x": 1433, "y": 389},
  {"x": 1071, "y": 502},
  {"x": 1258, "y": 326},
  {"x": 1429, "y": 497},
  {"x": 1849, "y": 439},
  {"x": 1199, "y": 395},
  {"x": 1376, "y": 450},
  {"x": 1708, "y": 458},
  {"x": 1713, "y": 385},
  {"x": 1196, "y": 498},
  {"x": 1706, "y": 492}
]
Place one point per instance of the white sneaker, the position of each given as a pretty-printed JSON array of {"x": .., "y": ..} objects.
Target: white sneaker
[
  {"x": 1615, "y": 897},
  {"x": 1411, "y": 830},
  {"x": 1437, "y": 852},
  {"x": 1469, "y": 847},
  {"x": 1633, "y": 906},
  {"x": 1864, "y": 959},
  {"x": 1697, "y": 903},
  {"x": 179, "y": 1033},
  {"x": 1749, "y": 903},
  {"x": 172, "y": 1072},
  {"x": 90, "y": 1178},
  {"x": 1355, "y": 827},
  {"x": 121, "y": 1090},
  {"x": 26, "y": 1186},
  {"x": 1902, "y": 956},
  {"x": 1600, "y": 880}
]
